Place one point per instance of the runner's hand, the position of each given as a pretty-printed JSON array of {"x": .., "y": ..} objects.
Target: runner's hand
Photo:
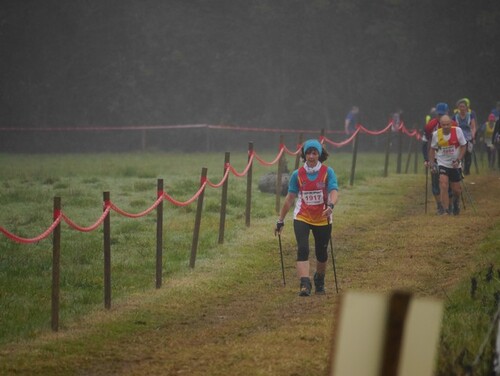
[
  {"x": 279, "y": 227},
  {"x": 434, "y": 168}
]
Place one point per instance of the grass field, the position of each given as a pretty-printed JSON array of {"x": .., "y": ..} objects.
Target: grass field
[
  {"x": 29, "y": 184},
  {"x": 231, "y": 311}
]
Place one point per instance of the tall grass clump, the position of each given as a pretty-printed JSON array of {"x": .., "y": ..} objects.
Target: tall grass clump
[{"x": 469, "y": 330}]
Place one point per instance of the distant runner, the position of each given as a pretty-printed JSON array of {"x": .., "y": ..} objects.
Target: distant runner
[
  {"x": 448, "y": 147},
  {"x": 466, "y": 120},
  {"x": 486, "y": 133},
  {"x": 431, "y": 126}
]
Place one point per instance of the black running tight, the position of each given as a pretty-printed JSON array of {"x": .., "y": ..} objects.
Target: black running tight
[{"x": 321, "y": 237}]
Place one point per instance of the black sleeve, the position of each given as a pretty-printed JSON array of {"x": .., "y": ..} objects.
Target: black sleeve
[{"x": 425, "y": 150}]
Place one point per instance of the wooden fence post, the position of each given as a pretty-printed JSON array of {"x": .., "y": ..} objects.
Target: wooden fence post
[
  {"x": 223, "y": 201},
  {"x": 197, "y": 222},
  {"x": 297, "y": 158},
  {"x": 410, "y": 151},
  {"x": 107, "y": 253},
  {"x": 400, "y": 151},
  {"x": 387, "y": 152},
  {"x": 354, "y": 157},
  {"x": 415, "y": 162},
  {"x": 56, "y": 257},
  {"x": 249, "y": 186},
  {"x": 278, "y": 177},
  {"x": 159, "y": 235}
]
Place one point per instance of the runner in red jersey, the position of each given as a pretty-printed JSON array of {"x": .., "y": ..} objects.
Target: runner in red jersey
[
  {"x": 448, "y": 146},
  {"x": 315, "y": 187}
]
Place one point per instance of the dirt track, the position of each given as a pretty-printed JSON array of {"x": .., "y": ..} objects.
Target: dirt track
[{"x": 252, "y": 325}]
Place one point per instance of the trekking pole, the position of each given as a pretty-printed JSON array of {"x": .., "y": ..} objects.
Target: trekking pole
[
  {"x": 333, "y": 261},
  {"x": 330, "y": 223},
  {"x": 474, "y": 158},
  {"x": 426, "y": 186},
  {"x": 461, "y": 193},
  {"x": 282, "y": 265},
  {"x": 468, "y": 196},
  {"x": 463, "y": 200}
]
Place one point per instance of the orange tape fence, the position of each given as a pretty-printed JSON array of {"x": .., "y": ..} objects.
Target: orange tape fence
[
  {"x": 143, "y": 137},
  {"x": 108, "y": 206}
]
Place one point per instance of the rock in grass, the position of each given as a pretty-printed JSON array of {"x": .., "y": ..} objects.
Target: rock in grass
[{"x": 267, "y": 183}]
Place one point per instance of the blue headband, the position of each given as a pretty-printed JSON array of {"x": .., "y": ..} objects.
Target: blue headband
[{"x": 313, "y": 144}]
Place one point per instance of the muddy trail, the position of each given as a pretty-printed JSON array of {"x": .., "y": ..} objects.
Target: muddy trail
[{"x": 233, "y": 315}]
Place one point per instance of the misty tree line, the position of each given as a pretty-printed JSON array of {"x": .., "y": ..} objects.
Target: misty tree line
[{"x": 265, "y": 63}]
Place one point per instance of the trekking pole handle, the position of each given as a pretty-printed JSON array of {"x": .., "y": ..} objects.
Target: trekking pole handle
[{"x": 279, "y": 226}]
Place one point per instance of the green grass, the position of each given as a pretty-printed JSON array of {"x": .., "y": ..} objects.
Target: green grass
[
  {"x": 467, "y": 340},
  {"x": 29, "y": 183}
]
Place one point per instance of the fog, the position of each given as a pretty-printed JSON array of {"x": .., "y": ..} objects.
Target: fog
[{"x": 268, "y": 64}]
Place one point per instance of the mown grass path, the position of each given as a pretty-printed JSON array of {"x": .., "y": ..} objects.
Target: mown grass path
[{"x": 233, "y": 316}]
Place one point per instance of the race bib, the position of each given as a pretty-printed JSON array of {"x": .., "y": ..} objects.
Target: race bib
[
  {"x": 448, "y": 150},
  {"x": 313, "y": 197}
]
